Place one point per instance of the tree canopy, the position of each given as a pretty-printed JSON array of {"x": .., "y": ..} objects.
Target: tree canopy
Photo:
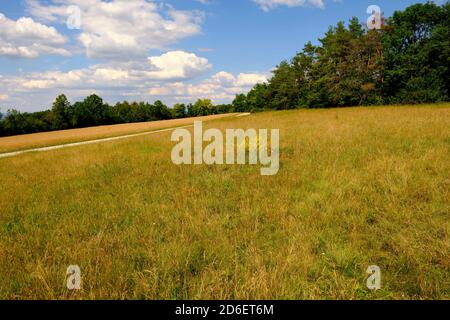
[
  {"x": 93, "y": 111},
  {"x": 407, "y": 61}
]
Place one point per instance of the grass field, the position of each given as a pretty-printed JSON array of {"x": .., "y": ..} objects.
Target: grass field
[
  {"x": 356, "y": 187},
  {"x": 28, "y": 141}
]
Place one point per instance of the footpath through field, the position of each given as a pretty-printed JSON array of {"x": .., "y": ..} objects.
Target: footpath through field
[{"x": 75, "y": 144}]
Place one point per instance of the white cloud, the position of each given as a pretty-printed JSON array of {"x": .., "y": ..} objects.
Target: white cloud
[
  {"x": 115, "y": 79},
  {"x": 26, "y": 38},
  {"x": 249, "y": 79},
  {"x": 221, "y": 87},
  {"x": 267, "y": 5},
  {"x": 171, "y": 66},
  {"x": 223, "y": 78},
  {"x": 123, "y": 32},
  {"x": 119, "y": 82},
  {"x": 123, "y": 28},
  {"x": 177, "y": 65}
]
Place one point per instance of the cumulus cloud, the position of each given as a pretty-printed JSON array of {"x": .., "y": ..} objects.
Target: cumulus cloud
[
  {"x": 171, "y": 66},
  {"x": 177, "y": 65},
  {"x": 120, "y": 81},
  {"x": 121, "y": 33},
  {"x": 26, "y": 38},
  {"x": 117, "y": 79},
  {"x": 119, "y": 28},
  {"x": 267, "y": 5},
  {"x": 221, "y": 87}
]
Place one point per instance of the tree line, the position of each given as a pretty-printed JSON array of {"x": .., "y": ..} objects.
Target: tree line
[
  {"x": 407, "y": 61},
  {"x": 93, "y": 111}
]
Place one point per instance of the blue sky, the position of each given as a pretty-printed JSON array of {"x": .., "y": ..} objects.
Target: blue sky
[{"x": 176, "y": 50}]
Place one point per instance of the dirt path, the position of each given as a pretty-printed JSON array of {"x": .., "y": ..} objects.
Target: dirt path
[{"x": 75, "y": 144}]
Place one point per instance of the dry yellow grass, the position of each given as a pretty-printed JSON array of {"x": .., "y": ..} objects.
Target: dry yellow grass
[
  {"x": 27, "y": 141},
  {"x": 356, "y": 187}
]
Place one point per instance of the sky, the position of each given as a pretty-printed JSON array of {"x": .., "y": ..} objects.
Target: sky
[{"x": 146, "y": 50}]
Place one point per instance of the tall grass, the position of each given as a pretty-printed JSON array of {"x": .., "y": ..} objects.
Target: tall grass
[{"x": 356, "y": 187}]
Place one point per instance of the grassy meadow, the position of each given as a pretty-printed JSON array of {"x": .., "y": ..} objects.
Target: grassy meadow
[
  {"x": 356, "y": 187},
  {"x": 44, "y": 139}
]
